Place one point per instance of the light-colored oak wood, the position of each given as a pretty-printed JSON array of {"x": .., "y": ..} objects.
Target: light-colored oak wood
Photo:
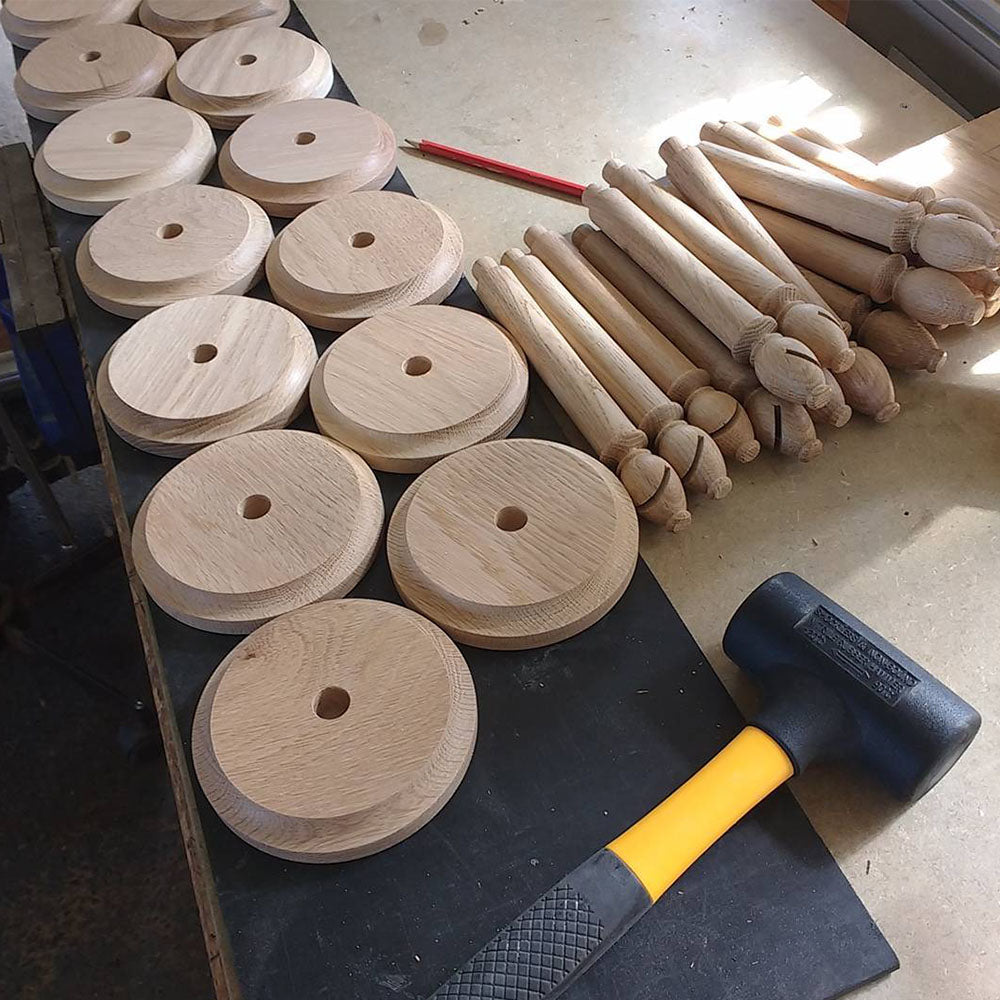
[
  {"x": 964, "y": 208},
  {"x": 27, "y": 23},
  {"x": 868, "y": 388},
  {"x": 785, "y": 366},
  {"x": 172, "y": 244},
  {"x": 815, "y": 326},
  {"x": 744, "y": 137},
  {"x": 984, "y": 283},
  {"x": 836, "y": 413},
  {"x": 90, "y": 64},
  {"x": 184, "y": 22},
  {"x": 691, "y": 453},
  {"x": 782, "y": 426},
  {"x": 655, "y": 487},
  {"x": 513, "y": 544},
  {"x": 112, "y": 151},
  {"x": 257, "y": 525},
  {"x": 363, "y": 253},
  {"x": 945, "y": 241},
  {"x": 298, "y": 153},
  {"x": 407, "y": 387},
  {"x": 316, "y": 740},
  {"x": 204, "y": 369},
  {"x": 850, "y": 305},
  {"x": 233, "y": 74}
]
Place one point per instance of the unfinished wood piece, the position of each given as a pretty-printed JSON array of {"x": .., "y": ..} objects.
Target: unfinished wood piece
[
  {"x": 173, "y": 244},
  {"x": 406, "y": 388},
  {"x": 703, "y": 188},
  {"x": 363, "y": 253},
  {"x": 850, "y": 305},
  {"x": 744, "y": 137},
  {"x": 204, "y": 369},
  {"x": 257, "y": 525},
  {"x": 27, "y": 23},
  {"x": 784, "y": 365},
  {"x": 91, "y": 64},
  {"x": 295, "y": 154},
  {"x": 965, "y": 209},
  {"x": 984, "y": 283},
  {"x": 233, "y": 74},
  {"x": 868, "y": 388},
  {"x": 815, "y": 326},
  {"x": 513, "y": 544},
  {"x": 928, "y": 294},
  {"x": 112, "y": 151},
  {"x": 946, "y": 241},
  {"x": 655, "y": 488},
  {"x": 184, "y": 22},
  {"x": 782, "y": 426},
  {"x": 315, "y": 740},
  {"x": 836, "y": 413},
  {"x": 691, "y": 453}
]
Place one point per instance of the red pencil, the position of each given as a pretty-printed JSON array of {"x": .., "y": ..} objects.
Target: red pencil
[{"x": 499, "y": 167}]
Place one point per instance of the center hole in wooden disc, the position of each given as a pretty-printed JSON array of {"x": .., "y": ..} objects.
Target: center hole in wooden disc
[
  {"x": 332, "y": 703},
  {"x": 511, "y": 519},
  {"x": 203, "y": 353},
  {"x": 362, "y": 239},
  {"x": 246, "y": 60},
  {"x": 418, "y": 365},
  {"x": 170, "y": 231},
  {"x": 89, "y": 56},
  {"x": 305, "y": 138},
  {"x": 120, "y": 136},
  {"x": 255, "y": 506}
]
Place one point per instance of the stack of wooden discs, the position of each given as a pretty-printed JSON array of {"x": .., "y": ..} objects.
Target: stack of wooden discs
[
  {"x": 256, "y": 525},
  {"x": 205, "y": 369},
  {"x": 295, "y": 154},
  {"x": 351, "y": 257},
  {"x": 28, "y": 22},
  {"x": 89, "y": 64},
  {"x": 173, "y": 244},
  {"x": 316, "y": 740},
  {"x": 182, "y": 23},
  {"x": 233, "y": 74},
  {"x": 112, "y": 151}
]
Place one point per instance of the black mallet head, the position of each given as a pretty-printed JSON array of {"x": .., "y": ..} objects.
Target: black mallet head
[{"x": 833, "y": 688}]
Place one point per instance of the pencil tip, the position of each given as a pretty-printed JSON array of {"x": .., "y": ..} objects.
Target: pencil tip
[{"x": 410, "y": 142}]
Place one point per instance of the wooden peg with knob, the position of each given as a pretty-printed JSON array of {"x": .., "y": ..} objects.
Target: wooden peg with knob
[
  {"x": 782, "y": 426},
  {"x": 654, "y": 487},
  {"x": 836, "y": 413},
  {"x": 868, "y": 388}
]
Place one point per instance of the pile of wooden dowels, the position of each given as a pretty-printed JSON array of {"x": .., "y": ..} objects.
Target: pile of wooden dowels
[{"x": 767, "y": 283}]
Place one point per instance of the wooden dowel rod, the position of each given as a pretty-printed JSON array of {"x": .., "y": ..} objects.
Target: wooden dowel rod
[
  {"x": 782, "y": 426},
  {"x": 868, "y": 388}
]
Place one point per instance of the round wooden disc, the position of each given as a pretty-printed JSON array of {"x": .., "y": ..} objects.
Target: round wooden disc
[
  {"x": 256, "y": 525},
  {"x": 171, "y": 244},
  {"x": 351, "y": 257},
  {"x": 104, "y": 154},
  {"x": 91, "y": 64},
  {"x": 317, "y": 740},
  {"x": 183, "y": 22},
  {"x": 293, "y": 155},
  {"x": 405, "y": 388},
  {"x": 514, "y": 544},
  {"x": 233, "y": 74},
  {"x": 27, "y": 22},
  {"x": 204, "y": 369}
]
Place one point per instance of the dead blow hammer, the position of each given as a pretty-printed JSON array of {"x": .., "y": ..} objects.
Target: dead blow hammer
[{"x": 831, "y": 689}]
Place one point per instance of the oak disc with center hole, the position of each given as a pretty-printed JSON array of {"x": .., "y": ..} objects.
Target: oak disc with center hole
[
  {"x": 513, "y": 544},
  {"x": 204, "y": 369},
  {"x": 183, "y": 22},
  {"x": 301, "y": 152},
  {"x": 27, "y": 23},
  {"x": 364, "y": 253},
  {"x": 407, "y": 387},
  {"x": 90, "y": 64},
  {"x": 335, "y": 731},
  {"x": 256, "y": 525},
  {"x": 106, "y": 153},
  {"x": 171, "y": 244}
]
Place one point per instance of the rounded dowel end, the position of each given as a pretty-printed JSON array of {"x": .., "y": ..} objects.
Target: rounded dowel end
[
  {"x": 581, "y": 234},
  {"x": 513, "y": 254},
  {"x": 867, "y": 387},
  {"x": 887, "y": 413},
  {"x": 695, "y": 457},
  {"x": 481, "y": 266},
  {"x": 787, "y": 368},
  {"x": 747, "y": 451},
  {"x": 810, "y": 450},
  {"x": 930, "y": 295},
  {"x": 954, "y": 244},
  {"x": 655, "y": 489},
  {"x": 964, "y": 209},
  {"x": 720, "y": 415},
  {"x": 821, "y": 332},
  {"x": 670, "y": 146},
  {"x": 900, "y": 341},
  {"x": 533, "y": 234},
  {"x": 783, "y": 426},
  {"x": 836, "y": 413}
]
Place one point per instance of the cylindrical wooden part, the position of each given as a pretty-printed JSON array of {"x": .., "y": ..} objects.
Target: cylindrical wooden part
[
  {"x": 184, "y": 22},
  {"x": 964, "y": 208},
  {"x": 901, "y": 342},
  {"x": 782, "y": 426},
  {"x": 27, "y": 23},
  {"x": 836, "y": 413},
  {"x": 983, "y": 282},
  {"x": 937, "y": 297},
  {"x": 868, "y": 388},
  {"x": 850, "y": 305},
  {"x": 695, "y": 457},
  {"x": 737, "y": 135},
  {"x": 720, "y": 415}
]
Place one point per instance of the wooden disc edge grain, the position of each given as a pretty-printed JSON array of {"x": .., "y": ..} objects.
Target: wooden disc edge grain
[
  {"x": 173, "y": 30},
  {"x": 259, "y": 827}
]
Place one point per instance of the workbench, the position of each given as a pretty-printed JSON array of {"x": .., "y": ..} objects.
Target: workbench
[{"x": 898, "y": 523}]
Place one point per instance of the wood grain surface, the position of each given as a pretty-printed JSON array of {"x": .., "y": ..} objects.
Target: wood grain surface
[
  {"x": 184, "y": 22},
  {"x": 27, "y": 23}
]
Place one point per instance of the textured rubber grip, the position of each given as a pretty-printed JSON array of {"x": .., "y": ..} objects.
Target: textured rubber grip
[{"x": 559, "y": 936}]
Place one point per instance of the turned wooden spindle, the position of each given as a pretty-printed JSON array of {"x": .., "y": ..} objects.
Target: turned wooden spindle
[
  {"x": 786, "y": 366},
  {"x": 868, "y": 388},
  {"x": 836, "y": 413},
  {"x": 945, "y": 241},
  {"x": 985, "y": 283},
  {"x": 742, "y": 136},
  {"x": 692, "y": 454},
  {"x": 818, "y": 328},
  {"x": 965, "y": 209},
  {"x": 655, "y": 488},
  {"x": 927, "y": 294},
  {"x": 899, "y": 340},
  {"x": 782, "y": 426}
]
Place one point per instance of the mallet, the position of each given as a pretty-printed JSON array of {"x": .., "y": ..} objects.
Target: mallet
[{"x": 832, "y": 688}]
